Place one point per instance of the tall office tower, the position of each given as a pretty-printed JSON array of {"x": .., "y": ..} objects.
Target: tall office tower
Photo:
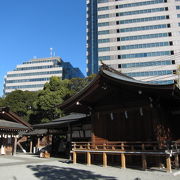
[
  {"x": 33, "y": 74},
  {"x": 140, "y": 38}
]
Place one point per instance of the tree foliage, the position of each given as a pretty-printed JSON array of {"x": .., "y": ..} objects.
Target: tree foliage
[
  {"x": 77, "y": 84},
  {"x": 53, "y": 94},
  {"x": 21, "y": 102},
  {"x": 1, "y": 102},
  {"x": 42, "y": 106}
]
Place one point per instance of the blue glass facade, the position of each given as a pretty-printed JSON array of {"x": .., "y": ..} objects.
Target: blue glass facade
[{"x": 92, "y": 35}]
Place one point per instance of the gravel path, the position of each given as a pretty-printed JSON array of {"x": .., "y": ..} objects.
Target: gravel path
[{"x": 28, "y": 167}]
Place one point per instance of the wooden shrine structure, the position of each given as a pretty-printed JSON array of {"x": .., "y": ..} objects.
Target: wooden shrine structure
[
  {"x": 10, "y": 126},
  {"x": 73, "y": 127},
  {"x": 134, "y": 123}
]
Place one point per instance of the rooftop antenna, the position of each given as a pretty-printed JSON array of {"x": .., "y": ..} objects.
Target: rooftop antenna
[{"x": 51, "y": 52}]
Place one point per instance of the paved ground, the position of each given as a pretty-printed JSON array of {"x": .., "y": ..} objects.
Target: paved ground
[{"x": 28, "y": 167}]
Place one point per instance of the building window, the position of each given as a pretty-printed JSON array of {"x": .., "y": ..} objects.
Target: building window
[
  {"x": 155, "y": 18},
  {"x": 148, "y": 54},
  {"x": 150, "y": 73},
  {"x": 144, "y": 11},
  {"x": 103, "y": 16},
  {"x": 103, "y": 40},
  {"x": 34, "y": 73},
  {"x": 144, "y": 28},
  {"x": 104, "y": 58},
  {"x": 103, "y": 49},
  {"x": 147, "y": 45},
  {"x": 103, "y": 8},
  {"x": 143, "y": 3},
  {"x": 103, "y": 1},
  {"x": 103, "y": 32},
  {"x": 145, "y": 64},
  {"x": 103, "y": 24},
  {"x": 148, "y": 36}
]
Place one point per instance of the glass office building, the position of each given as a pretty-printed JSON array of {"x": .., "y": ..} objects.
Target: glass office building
[
  {"x": 140, "y": 38},
  {"x": 33, "y": 74}
]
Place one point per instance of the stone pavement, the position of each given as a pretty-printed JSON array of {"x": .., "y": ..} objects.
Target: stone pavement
[{"x": 29, "y": 167}]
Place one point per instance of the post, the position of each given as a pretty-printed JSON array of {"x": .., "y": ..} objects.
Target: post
[
  {"x": 88, "y": 158},
  {"x": 144, "y": 162},
  {"x": 30, "y": 150},
  {"x": 15, "y": 146},
  {"x": 74, "y": 157},
  {"x": 168, "y": 164},
  {"x": 104, "y": 159},
  {"x": 38, "y": 143},
  {"x": 88, "y": 146},
  {"x": 123, "y": 158},
  {"x": 176, "y": 161},
  {"x": 123, "y": 161}
]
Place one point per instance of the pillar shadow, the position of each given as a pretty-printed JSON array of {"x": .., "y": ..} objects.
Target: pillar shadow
[{"x": 45, "y": 172}]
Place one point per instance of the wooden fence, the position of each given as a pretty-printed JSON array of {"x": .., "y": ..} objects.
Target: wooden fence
[{"x": 123, "y": 149}]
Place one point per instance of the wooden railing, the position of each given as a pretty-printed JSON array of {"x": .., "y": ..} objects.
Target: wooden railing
[{"x": 167, "y": 149}]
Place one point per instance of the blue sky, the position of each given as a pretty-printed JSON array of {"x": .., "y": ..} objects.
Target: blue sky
[{"x": 30, "y": 28}]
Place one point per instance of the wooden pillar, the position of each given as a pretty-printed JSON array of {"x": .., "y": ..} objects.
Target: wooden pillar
[
  {"x": 168, "y": 164},
  {"x": 123, "y": 158},
  {"x": 88, "y": 158},
  {"x": 104, "y": 159},
  {"x": 74, "y": 157},
  {"x": 15, "y": 146},
  {"x": 176, "y": 161},
  {"x": 144, "y": 162},
  {"x": 123, "y": 161},
  {"x": 38, "y": 143},
  {"x": 30, "y": 150}
]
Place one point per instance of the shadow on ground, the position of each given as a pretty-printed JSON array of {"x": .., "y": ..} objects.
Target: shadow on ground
[{"x": 45, "y": 172}]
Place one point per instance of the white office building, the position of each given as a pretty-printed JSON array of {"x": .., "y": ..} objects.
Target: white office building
[
  {"x": 32, "y": 75},
  {"x": 140, "y": 38}
]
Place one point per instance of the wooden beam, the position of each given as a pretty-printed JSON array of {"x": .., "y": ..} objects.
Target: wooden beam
[
  {"x": 88, "y": 158},
  {"x": 23, "y": 150},
  {"x": 104, "y": 159}
]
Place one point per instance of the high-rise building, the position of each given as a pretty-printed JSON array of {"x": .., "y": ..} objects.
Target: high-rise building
[
  {"x": 33, "y": 74},
  {"x": 140, "y": 38}
]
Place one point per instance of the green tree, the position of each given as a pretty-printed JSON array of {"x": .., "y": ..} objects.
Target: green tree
[
  {"x": 21, "y": 102},
  {"x": 1, "y": 102},
  {"x": 77, "y": 84},
  {"x": 42, "y": 106},
  {"x": 46, "y": 105}
]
